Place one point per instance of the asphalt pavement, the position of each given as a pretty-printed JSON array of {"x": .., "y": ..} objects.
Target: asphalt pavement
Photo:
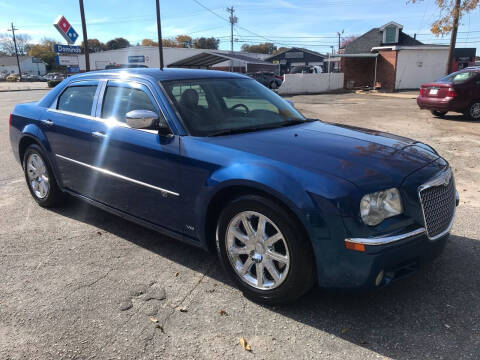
[{"x": 77, "y": 282}]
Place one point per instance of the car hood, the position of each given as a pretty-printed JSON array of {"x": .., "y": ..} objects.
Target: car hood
[{"x": 367, "y": 158}]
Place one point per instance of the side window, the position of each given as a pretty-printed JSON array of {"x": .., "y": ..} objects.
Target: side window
[
  {"x": 183, "y": 93},
  {"x": 119, "y": 100},
  {"x": 462, "y": 77},
  {"x": 77, "y": 99}
]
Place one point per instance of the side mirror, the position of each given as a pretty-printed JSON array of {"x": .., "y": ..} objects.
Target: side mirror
[{"x": 141, "y": 119}]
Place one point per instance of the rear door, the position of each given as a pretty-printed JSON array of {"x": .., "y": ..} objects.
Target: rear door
[
  {"x": 67, "y": 125},
  {"x": 137, "y": 168}
]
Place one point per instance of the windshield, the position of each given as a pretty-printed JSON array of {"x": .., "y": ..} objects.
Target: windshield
[
  {"x": 219, "y": 106},
  {"x": 457, "y": 77}
]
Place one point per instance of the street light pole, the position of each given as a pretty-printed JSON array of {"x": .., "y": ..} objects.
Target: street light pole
[
  {"x": 159, "y": 29},
  {"x": 16, "y": 50},
  {"x": 85, "y": 37}
]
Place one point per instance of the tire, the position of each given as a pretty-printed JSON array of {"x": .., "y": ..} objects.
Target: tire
[
  {"x": 40, "y": 179},
  {"x": 473, "y": 111},
  {"x": 439, "y": 114},
  {"x": 273, "y": 85},
  {"x": 293, "y": 264}
]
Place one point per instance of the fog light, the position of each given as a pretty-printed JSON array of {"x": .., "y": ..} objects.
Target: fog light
[{"x": 379, "y": 278}]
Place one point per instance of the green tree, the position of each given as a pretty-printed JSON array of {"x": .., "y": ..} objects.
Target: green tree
[
  {"x": 117, "y": 43},
  {"x": 280, "y": 50},
  {"x": 44, "y": 51},
  {"x": 206, "y": 43},
  {"x": 169, "y": 43},
  {"x": 149, "y": 42},
  {"x": 94, "y": 45},
  {"x": 264, "y": 48},
  {"x": 184, "y": 41},
  {"x": 444, "y": 23}
]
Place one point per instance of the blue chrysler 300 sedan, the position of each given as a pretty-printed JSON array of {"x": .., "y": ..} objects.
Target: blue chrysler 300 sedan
[{"x": 219, "y": 161}]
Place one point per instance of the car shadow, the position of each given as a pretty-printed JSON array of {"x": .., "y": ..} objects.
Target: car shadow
[
  {"x": 455, "y": 117},
  {"x": 434, "y": 313}
]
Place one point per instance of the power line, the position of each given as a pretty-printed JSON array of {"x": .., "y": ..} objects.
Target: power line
[{"x": 210, "y": 10}]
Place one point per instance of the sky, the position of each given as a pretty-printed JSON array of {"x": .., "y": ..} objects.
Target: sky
[{"x": 301, "y": 23}]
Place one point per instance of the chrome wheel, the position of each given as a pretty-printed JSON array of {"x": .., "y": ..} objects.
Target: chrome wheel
[
  {"x": 257, "y": 250},
  {"x": 38, "y": 176},
  {"x": 475, "y": 111}
]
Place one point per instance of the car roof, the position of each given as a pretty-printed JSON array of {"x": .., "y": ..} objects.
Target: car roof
[
  {"x": 161, "y": 75},
  {"x": 474, "y": 68}
]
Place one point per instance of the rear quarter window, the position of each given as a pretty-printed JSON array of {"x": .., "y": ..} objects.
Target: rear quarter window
[{"x": 77, "y": 99}]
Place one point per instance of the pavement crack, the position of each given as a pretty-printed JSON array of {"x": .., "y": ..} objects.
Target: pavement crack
[
  {"x": 194, "y": 287},
  {"x": 93, "y": 282}
]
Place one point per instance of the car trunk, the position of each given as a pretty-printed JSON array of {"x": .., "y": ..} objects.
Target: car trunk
[{"x": 436, "y": 90}]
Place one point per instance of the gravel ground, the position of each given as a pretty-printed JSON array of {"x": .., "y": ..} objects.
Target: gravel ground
[{"x": 80, "y": 283}]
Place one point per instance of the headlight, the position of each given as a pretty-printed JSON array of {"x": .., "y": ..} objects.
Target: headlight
[{"x": 376, "y": 207}]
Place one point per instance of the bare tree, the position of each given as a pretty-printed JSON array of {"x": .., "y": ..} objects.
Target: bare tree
[{"x": 8, "y": 47}]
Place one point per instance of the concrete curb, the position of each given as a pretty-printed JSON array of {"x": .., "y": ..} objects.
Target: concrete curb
[
  {"x": 12, "y": 90},
  {"x": 393, "y": 95}
]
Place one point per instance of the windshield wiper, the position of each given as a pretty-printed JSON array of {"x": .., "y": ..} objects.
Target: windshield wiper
[
  {"x": 233, "y": 131},
  {"x": 294, "y": 122},
  {"x": 257, "y": 128}
]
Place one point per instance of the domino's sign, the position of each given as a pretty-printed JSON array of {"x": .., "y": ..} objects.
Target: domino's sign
[
  {"x": 67, "y": 49},
  {"x": 65, "y": 29}
]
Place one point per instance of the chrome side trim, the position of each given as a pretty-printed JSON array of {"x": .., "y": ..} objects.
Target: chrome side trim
[
  {"x": 111, "y": 173},
  {"x": 386, "y": 239}
]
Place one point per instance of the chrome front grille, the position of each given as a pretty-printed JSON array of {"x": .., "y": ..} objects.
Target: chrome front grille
[{"x": 437, "y": 198}]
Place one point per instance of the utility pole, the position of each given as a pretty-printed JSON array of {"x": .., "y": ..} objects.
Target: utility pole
[
  {"x": 339, "y": 34},
  {"x": 233, "y": 20},
  {"x": 453, "y": 38},
  {"x": 16, "y": 50},
  {"x": 85, "y": 37},
  {"x": 159, "y": 30}
]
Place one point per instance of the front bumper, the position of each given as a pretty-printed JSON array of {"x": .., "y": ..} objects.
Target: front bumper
[
  {"x": 384, "y": 258},
  {"x": 393, "y": 257}
]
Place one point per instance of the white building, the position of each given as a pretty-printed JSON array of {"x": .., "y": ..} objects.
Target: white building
[
  {"x": 149, "y": 56},
  {"x": 28, "y": 64},
  {"x": 417, "y": 65}
]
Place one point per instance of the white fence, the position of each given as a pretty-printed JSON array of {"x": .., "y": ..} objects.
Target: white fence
[{"x": 310, "y": 83}]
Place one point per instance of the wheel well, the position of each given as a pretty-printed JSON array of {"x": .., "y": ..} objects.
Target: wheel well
[
  {"x": 224, "y": 196},
  {"x": 24, "y": 144}
]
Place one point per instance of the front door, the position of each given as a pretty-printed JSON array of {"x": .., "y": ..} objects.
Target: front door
[
  {"x": 137, "y": 169},
  {"x": 67, "y": 125}
]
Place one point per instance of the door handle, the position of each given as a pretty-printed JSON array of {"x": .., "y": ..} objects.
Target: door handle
[
  {"x": 47, "y": 122},
  {"x": 99, "y": 134}
]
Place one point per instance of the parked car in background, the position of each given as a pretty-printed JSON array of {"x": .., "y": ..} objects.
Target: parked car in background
[
  {"x": 219, "y": 161},
  {"x": 306, "y": 69},
  {"x": 54, "y": 76},
  {"x": 13, "y": 77},
  {"x": 269, "y": 79},
  {"x": 458, "y": 92},
  {"x": 33, "y": 78}
]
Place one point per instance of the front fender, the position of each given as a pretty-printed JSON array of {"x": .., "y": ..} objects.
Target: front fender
[{"x": 261, "y": 177}]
